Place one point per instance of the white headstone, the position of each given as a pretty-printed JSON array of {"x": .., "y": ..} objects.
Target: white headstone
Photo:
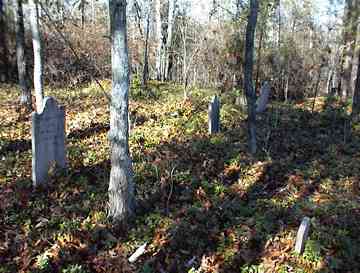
[
  {"x": 48, "y": 140},
  {"x": 264, "y": 98},
  {"x": 302, "y": 235},
  {"x": 241, "y": 101}
]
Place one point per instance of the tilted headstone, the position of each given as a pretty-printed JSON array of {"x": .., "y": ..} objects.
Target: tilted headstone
[
  {"x": 264, "y": 98},
  {"x": 214, "y": 115},
  {"x": 302, "y": 235},
  {"x": 48, "y": 140}
]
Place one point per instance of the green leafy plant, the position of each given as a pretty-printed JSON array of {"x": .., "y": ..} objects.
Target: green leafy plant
[
  {"x": 43, "y": 262},
  {"x": 252, "y": 269},
  {"x": 312, "y": 251},
  {"x": 74, "y": 268}
]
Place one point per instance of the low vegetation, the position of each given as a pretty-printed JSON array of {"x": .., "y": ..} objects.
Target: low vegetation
[{"x": 203, "y": 203}]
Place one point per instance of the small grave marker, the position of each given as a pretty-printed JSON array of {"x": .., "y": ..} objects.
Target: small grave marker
[
  {"x": 302, "y": 235},
  {"x": 48, "y": 140},
  {"x": 264, "y": 98},
  {"x": 241, "y": 101}
]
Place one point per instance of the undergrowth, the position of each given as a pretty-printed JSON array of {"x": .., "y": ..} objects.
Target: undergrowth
[{"x": 203, "y": 203}]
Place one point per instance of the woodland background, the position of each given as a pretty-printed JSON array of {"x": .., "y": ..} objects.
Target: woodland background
[{"x": 205, "y": 203}]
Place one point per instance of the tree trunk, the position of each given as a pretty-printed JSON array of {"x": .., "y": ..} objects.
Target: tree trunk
[
  {"x": 93, "y": 12},
  {"x": 286, "y": 89},
  {"x": 248, "y": 73},
  {"x": 238, "y": 44},
  {"x": 316, "y": 89},
  {"x": 238, "y": 9},
  {"x": 356, "y": 99},
  {"x": 287, "y": 72},
  {"x": 4, "y": 50},
  {"x": 82, "y": 7},
  {"x": 350, "y": 26},
  {"x": 121, "y": 188},
  {"x": 60, "y": 10},
  {"x": 169, "y": 37},
  {"x": 159, "y": 39},
  {"x": 329, "y": 82},
  {"x": 25, "y": 97},
  {"x": 184, "y": 68},
  {"x": 279, "y": 25},
  {"x": 146, "y": 57},
  {"x": 356, "y": 63},
  {"x": 258, "y": 62},
  {"x": 38, "y": 66}
]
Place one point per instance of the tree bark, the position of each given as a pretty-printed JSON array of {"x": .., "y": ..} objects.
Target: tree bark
[
  {"x": 159, "y": 39},
  {"x": 239, "y": 6},
  {"x": 169, "y": 37},
  {"x": 279, "y": 25},
  {"x": 121, "y": 188},
  {"x": 38, "y": 65},
  {"x": 145, "y": 74},
  {"x": 350, "y": 26},
  {"x": 60, "y": 10},
  {"x": 185, "y": 65},
  {"x": 356, "y": 99},
  {"x": 93, "y": 12},
  {"x": 25, "y": 97},
  {"x": 248, "y": 73},
  {"x": 287, "y": 72},
  {"x": 3, "y": 43},
  {"x": 258, "y": 62},
  {"x": 316, "y": 89},
  {"x": 356, "y": 63},
  {"x": 238, "y": 44},
  {"x": 82, "y": 7}
]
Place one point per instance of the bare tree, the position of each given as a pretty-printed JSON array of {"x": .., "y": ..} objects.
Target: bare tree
[
  {"x": 93, "y": 12},
  {"x": 82, "y": 7},
  {"x": 146, "y": 45},
  {"x": 259, "y": 51},
  {"x": 25, "y": 97},
  {"x": 184, "y": 30},
  {"x": 356, "y": 99},
  {"x": 350, "y": 26},
  {"x": 38, "y": 65},
  {"x": 121, "y": 188},
  {"x": 356, "y": 26},
  {"x": 169, "y": 37},
  {"x": 248, "y": 72},
  {"x": 3, "y": 44},
  {"x": 159, "y": 39}
]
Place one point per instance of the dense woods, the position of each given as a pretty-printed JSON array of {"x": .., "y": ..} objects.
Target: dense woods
[
  {"x": 294, "y": 44},
  {"x": 179, "y": 136}
]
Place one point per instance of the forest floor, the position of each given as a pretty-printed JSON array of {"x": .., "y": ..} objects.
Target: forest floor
[{"x": 204, "y": 204}]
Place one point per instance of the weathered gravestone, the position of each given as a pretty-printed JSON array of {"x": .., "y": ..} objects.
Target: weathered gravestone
[
  {"x": 302, "y": 235},
  {"x": 214, "y": 116},
  {"x": 48, "y": 140},
  {"x": 241, "y": 101},
  {"x": 264, "y": 98}
]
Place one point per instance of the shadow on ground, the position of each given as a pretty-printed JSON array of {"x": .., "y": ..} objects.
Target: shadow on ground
[
  {"x": 220, "y": 220},
  {"x": 225, "y": 210}
]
